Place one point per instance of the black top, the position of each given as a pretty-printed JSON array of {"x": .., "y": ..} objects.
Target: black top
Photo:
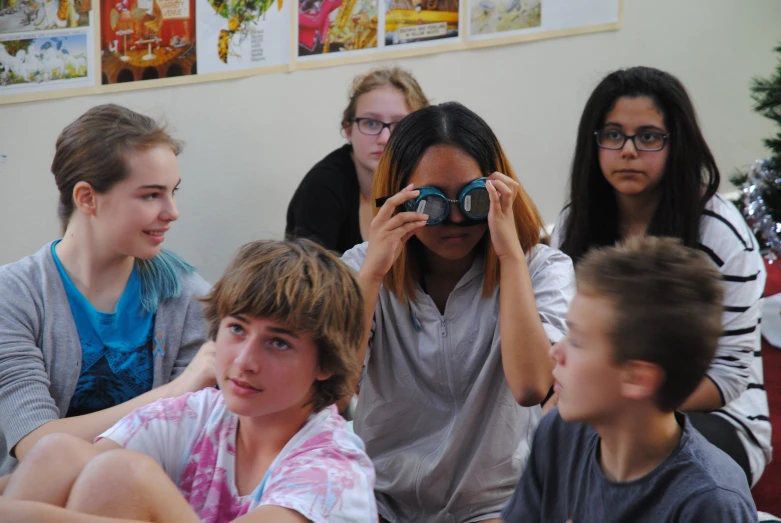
[{"x": 325, "y": 206}]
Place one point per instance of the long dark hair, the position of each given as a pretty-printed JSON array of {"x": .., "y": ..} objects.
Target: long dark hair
[
  {"x": 454, "y": 125},
  {"x": 689, "y": 180}
]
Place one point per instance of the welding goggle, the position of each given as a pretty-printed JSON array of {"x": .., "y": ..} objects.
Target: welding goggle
[{"x": 473, "y": 202}]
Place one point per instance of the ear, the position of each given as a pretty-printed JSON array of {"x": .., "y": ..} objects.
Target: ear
[
  {"x": 85, "y": 198},
  {"x": 640, "y": 380},
  {"x": 348, "y": 132},
  {"x": 322, "y": 375}
]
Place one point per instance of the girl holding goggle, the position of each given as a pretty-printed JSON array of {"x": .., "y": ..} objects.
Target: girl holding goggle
[
  {"x": 642, "y": 167},
  {"x": 455, "y": 368},
  {"x": 333, "y": 203}
]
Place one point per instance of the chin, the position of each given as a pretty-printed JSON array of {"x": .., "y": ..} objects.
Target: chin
[
  {"x": 243, "y": 408},
  {"x": 452, "y": 253},
  {"x": 371, "y": 164},
  {"x": 147, "y": 253},
  {"x": 570, "y": 415}
]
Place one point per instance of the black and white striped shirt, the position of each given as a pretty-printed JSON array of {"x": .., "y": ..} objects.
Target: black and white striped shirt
[{"x": 737, "y": 367}]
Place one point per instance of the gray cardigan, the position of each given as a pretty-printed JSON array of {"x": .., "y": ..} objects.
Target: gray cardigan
[{"x": 40, "y": 352}]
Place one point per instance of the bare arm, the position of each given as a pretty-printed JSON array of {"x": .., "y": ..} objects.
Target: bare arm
[
  {"x": 524, "y": 343},
  {"x": 705, "y": 397},
  {"x": 389, "y": 231},
  {"x": 200, "y": 374},
  {"x": 88, "y": 426},
  {"x": 272, "y": 514},
  {"x": 4, "y": 483},
  {"x": 370, "y": 288}
]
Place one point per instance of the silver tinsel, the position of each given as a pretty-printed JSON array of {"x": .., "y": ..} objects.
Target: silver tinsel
[{"x": 757, "y": 214}]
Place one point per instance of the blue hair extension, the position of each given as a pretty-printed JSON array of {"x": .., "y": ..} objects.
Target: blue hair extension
[{"x": 161, "y": 279}]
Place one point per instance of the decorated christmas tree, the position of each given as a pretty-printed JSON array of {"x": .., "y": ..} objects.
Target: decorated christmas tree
[{"x": 761, "y": 196}]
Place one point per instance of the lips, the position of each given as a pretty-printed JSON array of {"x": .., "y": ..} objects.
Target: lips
[
  {"x": 454, "y": 238},
  {"x": 156, "y": 236},
  {"x": 242, "y": 387}
]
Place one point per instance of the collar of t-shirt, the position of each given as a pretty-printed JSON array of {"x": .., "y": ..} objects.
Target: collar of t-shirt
[{"x": 128, "y": 327}]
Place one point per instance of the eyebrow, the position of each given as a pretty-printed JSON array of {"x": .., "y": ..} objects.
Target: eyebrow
[
  {"x": 278, "y": 330},
  {"x": 641, "y": 128},
  {"x": 158, "y": 187},
  {"x": 375, "y": 116}
]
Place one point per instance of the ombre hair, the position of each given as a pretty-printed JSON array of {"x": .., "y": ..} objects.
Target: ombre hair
[
  {"x": 94, "y": 149},
  {"x": 454, "y": 125},
  {"x": 161, "y": 278},
  {"x": 304, "y": 287}
]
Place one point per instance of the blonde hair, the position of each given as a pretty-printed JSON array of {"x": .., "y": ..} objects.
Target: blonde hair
[
  {"x": 385, "y": 77},
  {"x": 454, "y": 125},
  {"x": 304, "y": 287}
]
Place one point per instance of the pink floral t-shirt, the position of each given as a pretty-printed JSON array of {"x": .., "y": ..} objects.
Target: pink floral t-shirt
[{"x": 322, "y": 473}]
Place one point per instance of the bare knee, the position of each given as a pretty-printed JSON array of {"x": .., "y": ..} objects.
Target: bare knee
[
  {"x": 110, "y": 481},
  {"x": 120, "y": 468},
  {"x": 62, "y": 449},
  {"x": 49, "y": 469}
]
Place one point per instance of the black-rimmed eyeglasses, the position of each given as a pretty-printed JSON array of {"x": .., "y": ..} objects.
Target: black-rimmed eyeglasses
[
  {"x": 373, "y": 127},
  {"x": 615, "y": 140}
]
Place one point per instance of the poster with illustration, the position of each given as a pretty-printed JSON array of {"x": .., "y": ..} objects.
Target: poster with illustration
[
  {"x": 23, "y": 16},
  {"x": 243, "y": 34},
  {"x": 59, "y": 61},
  {"x": 496, "y": 16},
  {"x": 409, "y": 21},
  {"x": 147, "y": 39},
  {"x": 331, "y": 26}
]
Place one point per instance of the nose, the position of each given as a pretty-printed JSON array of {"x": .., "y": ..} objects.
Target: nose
[
  {"x": 170, "y": 212},
  {"x": 456, "y": 216},
  {"x": 629, "y": 149},
  {"x": 384, "y": 136},
  {"x": 248, "y": 360},
  {"x": 556, "y": 352}
]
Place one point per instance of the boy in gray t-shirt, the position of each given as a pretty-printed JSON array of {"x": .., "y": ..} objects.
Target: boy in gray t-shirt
[{"x": 643, "y": 329}]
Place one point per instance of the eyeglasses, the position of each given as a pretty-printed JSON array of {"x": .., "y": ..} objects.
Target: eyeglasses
[
  {"x": 373, "y": 127},
  {"x": 647, "y": 141}
]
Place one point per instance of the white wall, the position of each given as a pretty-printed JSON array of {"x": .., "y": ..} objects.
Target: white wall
[{"x": 250, "y": 141}]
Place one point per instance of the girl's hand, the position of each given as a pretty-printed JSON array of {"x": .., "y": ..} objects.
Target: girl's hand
[
  {"x": 502, "y": 191},
  {"x": 389, "y": 231},
  {"x": 199, "y": 374}
]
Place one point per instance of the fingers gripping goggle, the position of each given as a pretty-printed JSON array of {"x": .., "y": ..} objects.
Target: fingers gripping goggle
[{"x": 473, "y": 202}]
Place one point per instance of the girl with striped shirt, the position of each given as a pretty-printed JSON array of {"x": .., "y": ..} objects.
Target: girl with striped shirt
[{"x": 642, "y": 167}]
